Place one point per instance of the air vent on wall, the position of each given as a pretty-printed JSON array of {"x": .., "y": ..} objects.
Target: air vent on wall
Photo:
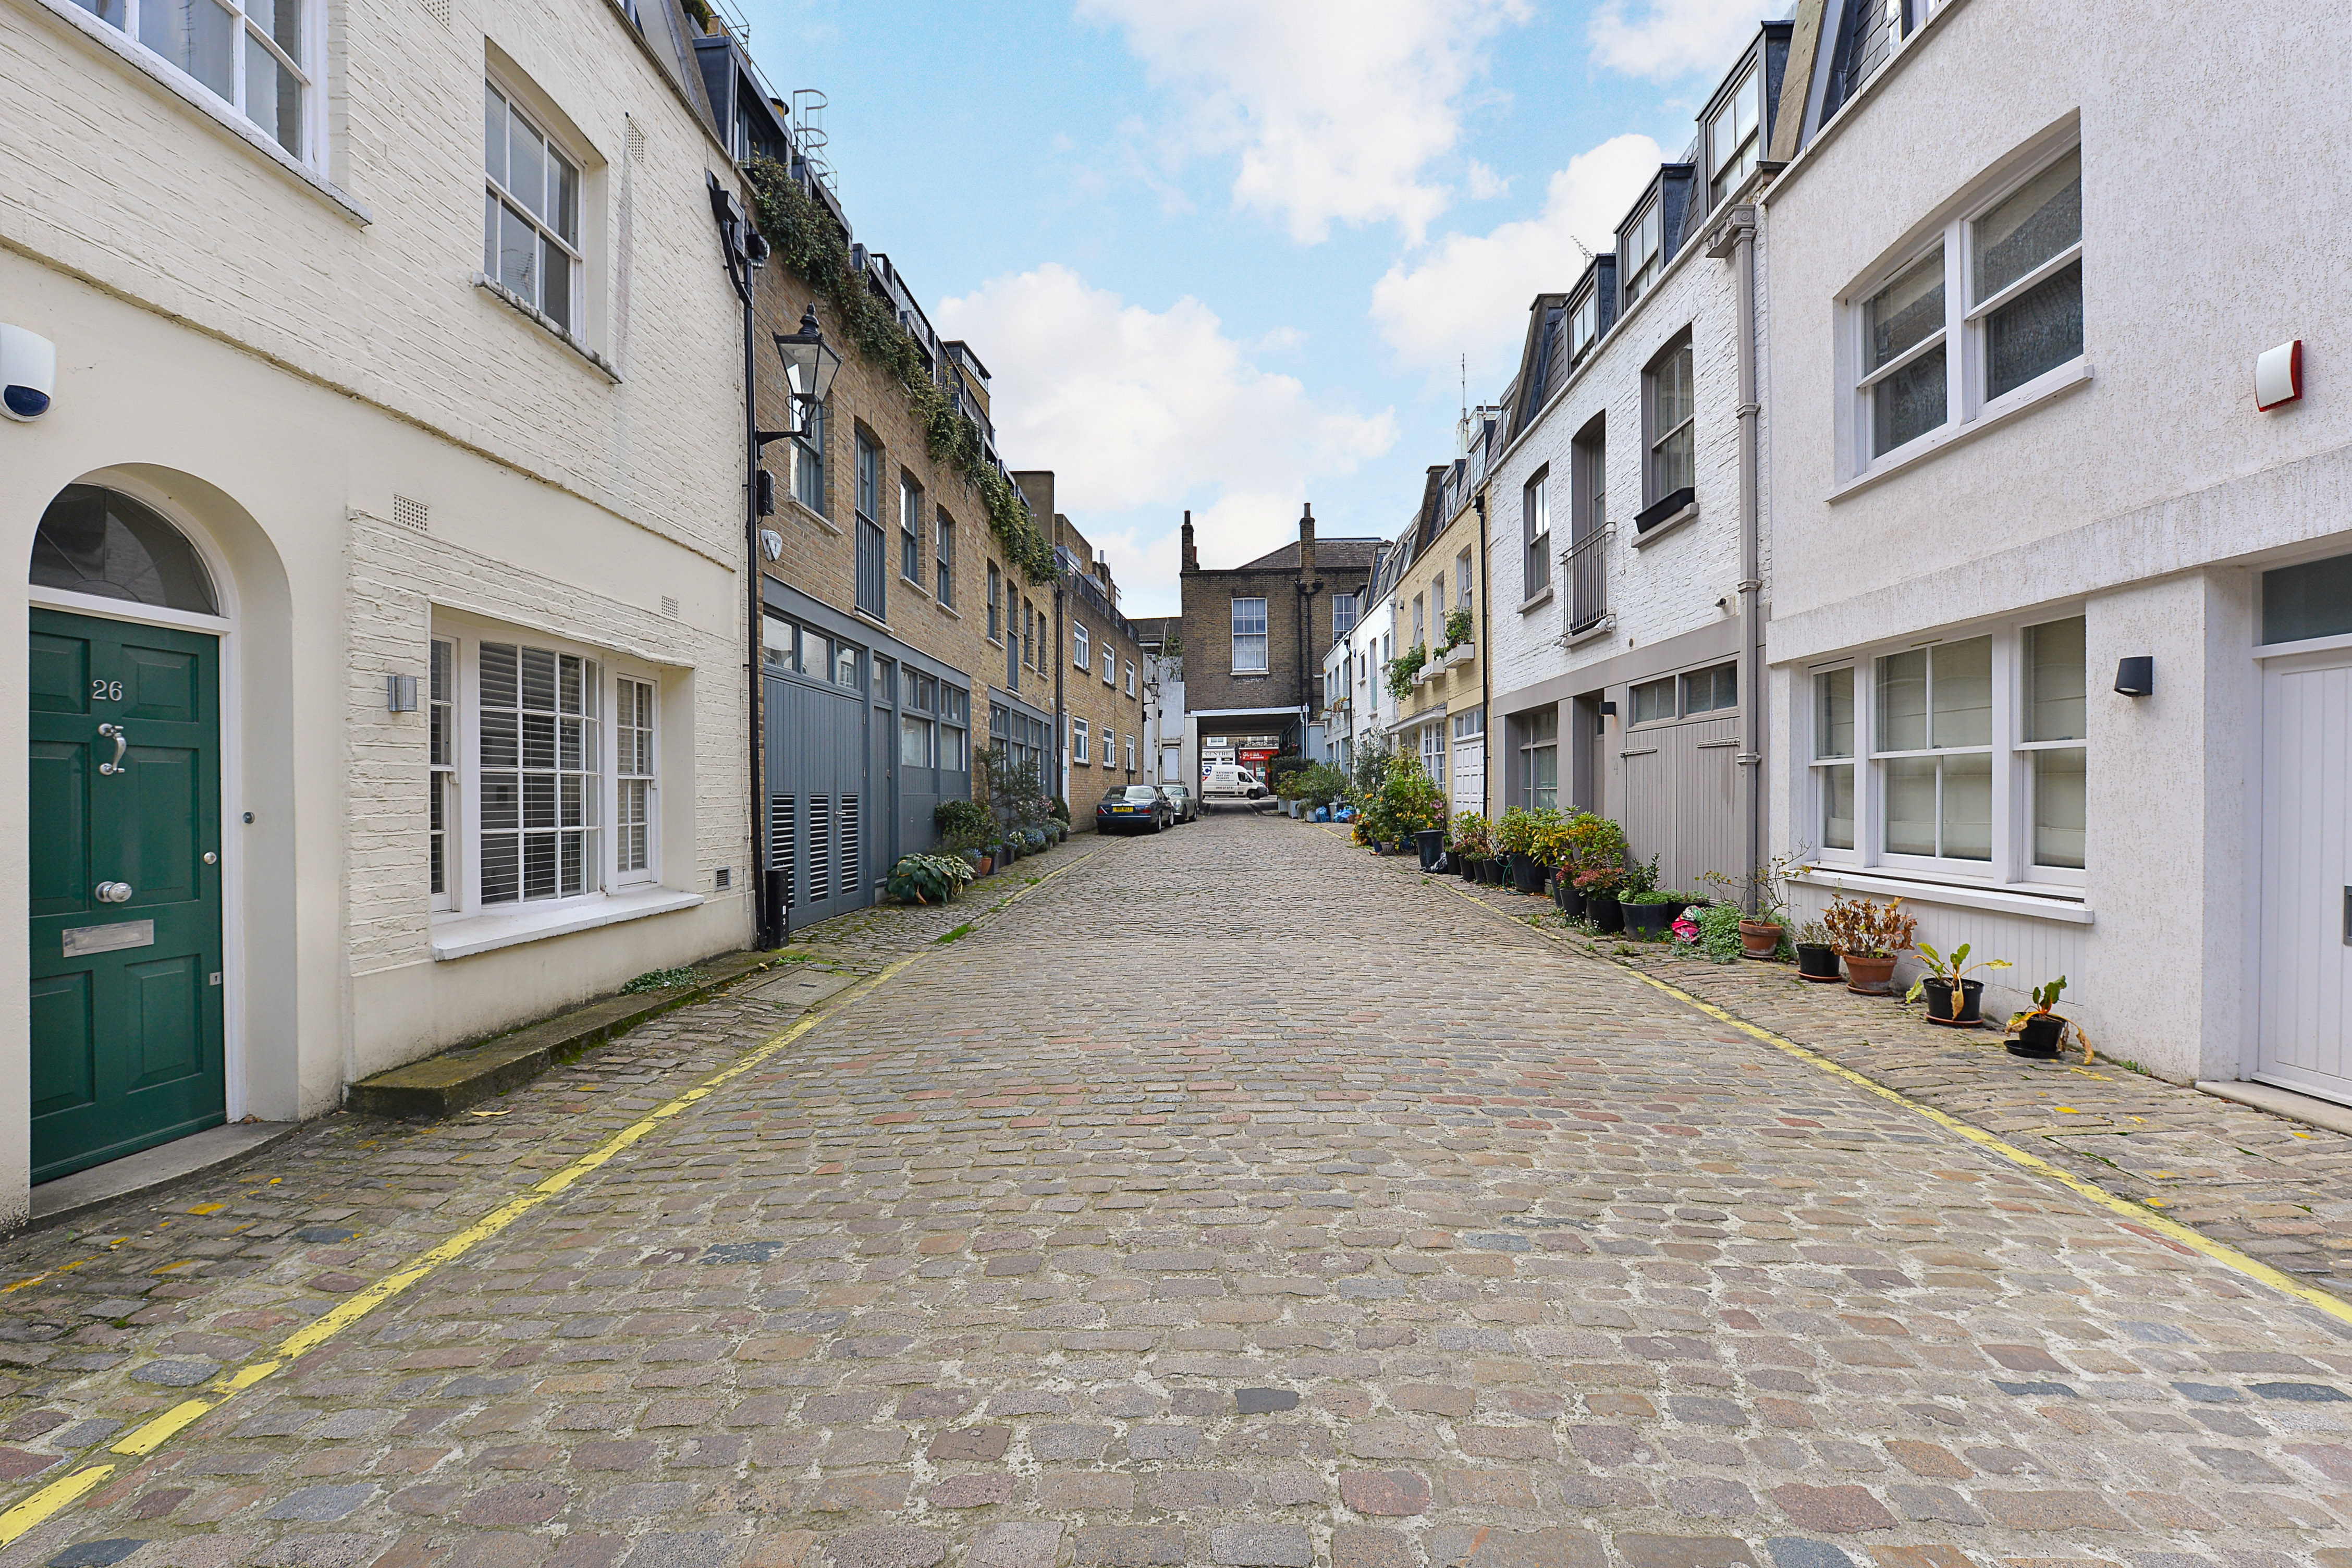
[
  {"x": 438, "y": 10},
  {"x": 669, "y": 606},
  {"x": 409, "y": 513},
  {"x": 636, "y": 142}
]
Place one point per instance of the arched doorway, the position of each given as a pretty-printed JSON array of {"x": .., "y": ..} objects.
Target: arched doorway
[{"x": 124, "y": 821}]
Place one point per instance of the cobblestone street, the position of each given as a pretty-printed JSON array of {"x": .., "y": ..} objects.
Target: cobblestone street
[{"x": 1224, "y": 1198}]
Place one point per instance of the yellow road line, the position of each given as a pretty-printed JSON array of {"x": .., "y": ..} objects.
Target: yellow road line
[
  {"x": 2143, "y": 1218},
  {"x": 152, "y": 1434},
  {"x": 47, "y": 1274}
]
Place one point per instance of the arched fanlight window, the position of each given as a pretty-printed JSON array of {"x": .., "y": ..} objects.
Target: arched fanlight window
[{"x": 101, "y": 542}]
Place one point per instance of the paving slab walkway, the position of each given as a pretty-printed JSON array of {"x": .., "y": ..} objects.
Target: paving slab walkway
[{"x": 1228, "y": 1199}]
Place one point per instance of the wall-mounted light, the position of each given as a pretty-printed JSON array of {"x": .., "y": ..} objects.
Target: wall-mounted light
[
  {"x": 810, "y": 364},
  {"x": 1609, "y": 709},
  {"x": 2135, "y": 676},
  {"x": 2278, "y": 375},
  {"x": 400, "y": 693}
]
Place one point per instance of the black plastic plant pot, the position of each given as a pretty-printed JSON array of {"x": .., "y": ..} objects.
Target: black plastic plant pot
[
  {"x": 1573, "y": 901},
  {"x": 1940, "y": 1003},
  {"x": 1604, "y": 911},
  {"x": 1465, "y": 867},
  {"x": 1817, "y": 961},
  {"x": 1648, "y": 920},
  {"x": 2038, "y": 1035},
  {"x": 1430, "y": 842},
  {"x": 1526, "y": 876}
]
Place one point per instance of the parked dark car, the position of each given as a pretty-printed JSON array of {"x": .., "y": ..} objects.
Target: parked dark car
[
  {"x": 1133, "y": 808},
  {"x": 1187, "y": 804}
]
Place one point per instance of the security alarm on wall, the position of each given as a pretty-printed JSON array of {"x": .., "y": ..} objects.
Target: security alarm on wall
[
  {"x": 28, "y": 373},
  {"x": 2278, "y": 375}
]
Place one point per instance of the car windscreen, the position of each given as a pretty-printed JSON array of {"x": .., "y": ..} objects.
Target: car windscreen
[{"x": 1141, "y": 793}]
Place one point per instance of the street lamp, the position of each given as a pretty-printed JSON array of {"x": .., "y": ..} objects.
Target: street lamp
[{"x": 810, "y": 363}]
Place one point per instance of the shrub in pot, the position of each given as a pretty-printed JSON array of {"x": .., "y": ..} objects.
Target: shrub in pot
[
  {"x": 1870, "y": 937},
  {"x": 2039, "y": 1031},
  {"x": 1816, "y": 959},
  {"x": 1466, "y": 839},
  {"x": 1952, "y": 996},
  {"x": 1650, "y": 911}
]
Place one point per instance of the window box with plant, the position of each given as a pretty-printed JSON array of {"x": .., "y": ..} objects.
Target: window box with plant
[
  {"x": 1404, "y": 669},
  {"x": 1870, "y": 937}
]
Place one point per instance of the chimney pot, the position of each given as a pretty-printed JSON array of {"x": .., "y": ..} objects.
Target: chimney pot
[{"x": 1191, "y": 555}]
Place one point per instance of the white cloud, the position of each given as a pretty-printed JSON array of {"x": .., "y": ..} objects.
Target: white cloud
[
  {"x": 1665, "y": 39},
  {"x": 1470, "y": 293},
  {"x": 1484, "y": 184},
  {"x": 1335, "y": 108},
  {"x": 1137, "y": 409}
]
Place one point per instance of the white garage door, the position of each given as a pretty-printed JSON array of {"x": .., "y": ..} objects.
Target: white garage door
[{"x": 2305, "y": 1041}]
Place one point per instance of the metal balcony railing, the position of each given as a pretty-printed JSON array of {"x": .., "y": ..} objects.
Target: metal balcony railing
[{"x": 1588, "y": 582}]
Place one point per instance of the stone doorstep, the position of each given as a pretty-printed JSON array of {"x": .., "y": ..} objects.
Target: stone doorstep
[
  {"x": 445, "y": 1084},
  {"x": 152, "y": 1171},
  {"x": 2309, "y": 1110}
]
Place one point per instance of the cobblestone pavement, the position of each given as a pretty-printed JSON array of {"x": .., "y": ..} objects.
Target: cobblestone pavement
[
  {"x": 2273, "y": 1188},
  {"x": 1228, "y": 1199}
]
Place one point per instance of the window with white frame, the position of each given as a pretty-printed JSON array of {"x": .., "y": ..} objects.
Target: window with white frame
[
  {"x": 1471, "y": 725},
  {"x": 1131, "y": 753},
  {"x": 1735, "y": 137},
  {"x": 1583, "y": 324},
  {"x": 1079, "y": 741},
  {"x": 1130, "y": 677},
  {"x": 1420, "y": 628},
  {"x": 633, "y": 775},
  {"x": 1343, "y": 615},
  {"x": 1462, "y": 581},
  {"x": 530, "y": 213},
  {"x": 1433, "y": 751},
  {"x": 1110, "y": 676},
  {"x": 910, "y": 525},
  {"x": 1539, "y": 758},
  {"x": 944, "y": 555},
  {"x": 869, "y": 595},
  {"x": 1249, "y": 636},
  {"x": 539, "y": 795},
  {"x": 258, "y": 57},
  {"x": 1081, "y": 654},
  {"x": 1535, "y": 535},
  {"x": 1976, "y": 753},
  {"x": 1933, "y": 357},
  {"x": 441, "y": 724},
  {"x": 1643, "y": 242},
  {"x": 995, "y": 603},
  {"x": 1672, "y": 411}
]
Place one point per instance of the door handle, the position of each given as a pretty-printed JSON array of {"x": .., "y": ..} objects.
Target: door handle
[
  {"x": 115, "y": 892},
  {"x": 121, "y": 738}
]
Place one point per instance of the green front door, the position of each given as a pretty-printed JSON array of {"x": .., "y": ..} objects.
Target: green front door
[{"x": 125, "y": 825}]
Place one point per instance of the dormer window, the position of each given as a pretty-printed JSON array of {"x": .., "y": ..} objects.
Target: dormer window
[
  {"x": 1583, "y": 325},
  {"x": 1643, "y": 248},
  {"x": 1735, "y": 137}
]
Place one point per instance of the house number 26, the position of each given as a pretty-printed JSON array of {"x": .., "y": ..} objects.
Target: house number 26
[{"x": 106, "y": 691}]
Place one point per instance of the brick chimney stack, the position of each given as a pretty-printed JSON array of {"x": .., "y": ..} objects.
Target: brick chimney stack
[
  {"x": 1306, "y": 543},
  {"x": 1191, "y": 555}
]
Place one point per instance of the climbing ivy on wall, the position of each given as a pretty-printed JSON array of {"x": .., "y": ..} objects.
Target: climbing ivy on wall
[{"x": 803, "y": 236}]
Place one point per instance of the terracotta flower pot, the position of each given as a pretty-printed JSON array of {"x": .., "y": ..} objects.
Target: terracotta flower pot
[
  {"x": 1868, "y": 975},
  {"x": 1759, "y": 939}
]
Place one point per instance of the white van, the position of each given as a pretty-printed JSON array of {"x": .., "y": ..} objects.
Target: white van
[{"x": 1231, "y": 784}]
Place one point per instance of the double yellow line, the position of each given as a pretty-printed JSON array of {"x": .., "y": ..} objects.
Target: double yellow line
[
  {"x": 2142, "y": 1219},
  {"x": 153, "y": 1433}
]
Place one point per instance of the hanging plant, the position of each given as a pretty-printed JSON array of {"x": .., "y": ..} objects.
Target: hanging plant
[{"x": 804, "y": 237}]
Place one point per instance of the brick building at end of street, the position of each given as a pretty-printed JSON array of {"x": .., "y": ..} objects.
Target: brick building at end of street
[{"x": 1254, "y": 638}]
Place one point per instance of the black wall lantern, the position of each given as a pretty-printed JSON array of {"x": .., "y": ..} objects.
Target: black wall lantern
[
  {"x": 810, "y": 363},
  {"x": 2135, "y": 676},
  {"x": 1609, "y": 709}
]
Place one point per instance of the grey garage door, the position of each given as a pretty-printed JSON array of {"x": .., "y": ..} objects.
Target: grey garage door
[{"x": 818, "y": 794}]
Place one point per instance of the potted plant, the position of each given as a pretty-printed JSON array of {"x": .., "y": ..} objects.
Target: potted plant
[
  {"x": 2039, "y": 1031},
  {"x": 1760, "y": 933},
  {"x": 927, "y": 878},
  {"x": 1952, "y": 996},
  {"x": 1816, "y": 959},
  {"x": 1650, "y": 911},
  {"x": 1599, "y": 885},
  {"x": 1515, "y": 840},
  {"x": 1870, "y": 937},
  {"x": 1468, "y": 842}
]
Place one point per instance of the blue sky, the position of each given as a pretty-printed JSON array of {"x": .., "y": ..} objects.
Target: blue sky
[{"x": 1226, "y": 255}]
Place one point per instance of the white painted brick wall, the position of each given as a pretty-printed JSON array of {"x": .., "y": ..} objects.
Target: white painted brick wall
[{"x": 1669, "y": 587}]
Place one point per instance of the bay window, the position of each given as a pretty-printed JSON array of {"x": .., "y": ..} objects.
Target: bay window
[
  {"x": 1930, "y": 357},
  {"x": 545, "y": 772},
  {"x": 1966, "y": 756}
]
